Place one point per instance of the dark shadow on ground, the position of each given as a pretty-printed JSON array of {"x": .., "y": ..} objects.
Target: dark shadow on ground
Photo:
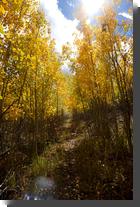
[{"x": 86, "y": 175}]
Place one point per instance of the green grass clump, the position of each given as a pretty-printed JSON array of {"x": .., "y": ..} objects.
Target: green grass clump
[{"x": 39, "y": 166}]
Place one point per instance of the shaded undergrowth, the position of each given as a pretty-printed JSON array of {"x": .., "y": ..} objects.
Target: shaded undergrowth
[
  {"x": 85, "y": 174},
  {"x": 86, "y": 168}
]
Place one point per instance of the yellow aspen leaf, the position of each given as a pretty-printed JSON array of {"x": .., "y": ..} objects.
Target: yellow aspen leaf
[
  {"x": 4, "y": 1},
  {"x": 28, "y": 56},
  {"x": 22, "y": 53},
  {"x": 1, "y": 29},
  {"x": 2, "y": 10},
  {"x": 33, "y": 58},
  {"x": 14, "y": 49}
]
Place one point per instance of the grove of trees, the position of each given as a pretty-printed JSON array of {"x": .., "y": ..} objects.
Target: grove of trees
[{"x": 35, "y": 92}]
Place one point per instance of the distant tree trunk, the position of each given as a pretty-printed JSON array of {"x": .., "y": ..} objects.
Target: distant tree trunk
[{"x": 35, "y": 111}]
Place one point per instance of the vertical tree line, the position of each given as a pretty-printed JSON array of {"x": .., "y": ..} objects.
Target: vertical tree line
[
  {"x": 30, "y": 75},
  {"x": 103, "y": 77}
]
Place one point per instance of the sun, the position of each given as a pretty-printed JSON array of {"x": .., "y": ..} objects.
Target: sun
[
  {"x": 92, "y": 6},
  {"x": 136, "y": 3}
]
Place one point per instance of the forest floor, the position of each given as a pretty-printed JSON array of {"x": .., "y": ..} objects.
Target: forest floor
[
  {"x": 58, "y": 162},
  {"x": 76, "y": 166}
]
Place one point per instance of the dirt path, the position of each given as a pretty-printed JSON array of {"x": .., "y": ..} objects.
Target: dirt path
[
  {"x": 75, "y": 165},
  {"x": 58, "y": 162},
  {"x": 65, "y": 174}
]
